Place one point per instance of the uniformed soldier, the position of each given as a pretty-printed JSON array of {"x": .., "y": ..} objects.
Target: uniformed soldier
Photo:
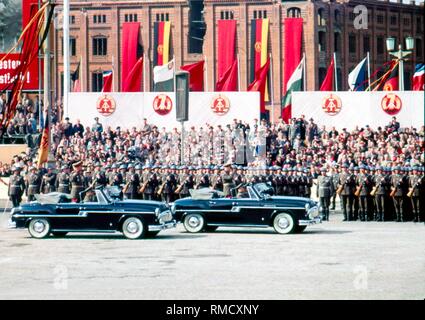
[
  {"x": 242, "y": 192},
  {"x": 203, "y": 180},
  {"x": 381, "y": 184},
  {"x": 132, "y": 183},
  {"x": 277, "y": 178},
  {"x": 238, "y": 177},
  {"x": 227, "y": 179},
  {"x": 123, "y": 172},
  {"x": 77, "y": 181},
  {"x": 186, "y": 182},
  {"x": 309, "y": 183},
  {"x": 152, "y": 184},
  {"x": 335, "y": 179},
  {"x": 364, "y": 183},
  {"x": 99, "y": 177},
  {"x": 16, "y": 186},
  {"x": 170, "y": 185},
  {"x": 48, "y": 181},
  {"x": 398, "y": 191},
  {"x": 325, "y": 189},
  {"x": 115, "y": 178},
  {"x": 285, "y": 184},
  {"x": 88, "y": 191},
  {"x": 63, "y": 180},
  {"x": 33, "y": 184},
  {"x": 292, "y": 182},
  {"x": 416, "y": 186},
  {"x": 347, "y": 183},
  {"x": 301, "y": 182},
  {"x": 216, "y": 181}
]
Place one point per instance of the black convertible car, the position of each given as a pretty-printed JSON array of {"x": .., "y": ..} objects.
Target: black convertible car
[
  {"x": 55, "y": 214},
  {"x": 207, "y": 209}
]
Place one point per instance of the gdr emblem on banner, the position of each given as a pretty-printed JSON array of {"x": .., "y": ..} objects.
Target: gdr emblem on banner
[
  {"x": 391, "y": 103},
  {"x": 220, "y": 105},
  {"x": 332, "y": 104},
  {"x": 106, "y": 105},
  {"x": 162, "y": 104}
]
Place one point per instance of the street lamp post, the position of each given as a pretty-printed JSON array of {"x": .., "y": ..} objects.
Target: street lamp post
[{"x": 400, "y": 56}]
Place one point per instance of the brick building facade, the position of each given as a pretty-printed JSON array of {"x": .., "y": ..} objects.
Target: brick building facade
[{"x": 95, "y": 31}]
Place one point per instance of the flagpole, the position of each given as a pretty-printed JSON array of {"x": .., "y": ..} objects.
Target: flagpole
[
  {"x": 205, "y": 74},
  {"x": 368, "y": 67},
  {"x": 239, "y": 75},
  {"x": 336, "y": 73},
  {"x": 304, "y": 74},
  {"x": 113, "y": 76},
  {"x": 66, "y": 80},
  {"x": 272, "y": 87},
  {"x": 80, "y": 75}
]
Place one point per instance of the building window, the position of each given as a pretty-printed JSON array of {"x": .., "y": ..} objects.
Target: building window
[
  {"x": 322, "y": 75},
  {"x": 321, "y": 21},
  {"x": 380, "y": 45},
  {"x": 97, "y": 81},
  {"x": 337, "y": 16},
  {"x": 337, "y": 42},
  {"x": 293, "y": 12},
  {"x": 322, "y": 41},
  {"x": 260, "y": 14},
  {"x": 226, "y": 15},
  {"x": 162, "y": 17},
  {"x": 393, "y": 21},
  {"x": 406, "y": 22},
  {"x": 380, "y": 18},
  {"x": 197, "y": 26},
  {"x": 72, "y": 19},
  {"x": 352, "y": 43},
  {"x": 72, "y": 46},
  {"x": 366, "y": 44},
  {"x": 130, "y": 17},
  {"x": 100, "y": 46},
  {"x": 99, "y": 18},
  {"x": 419, "y": 24}
]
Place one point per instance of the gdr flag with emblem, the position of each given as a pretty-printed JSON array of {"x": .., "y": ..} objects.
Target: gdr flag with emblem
[{"x": 163, "y": 77}]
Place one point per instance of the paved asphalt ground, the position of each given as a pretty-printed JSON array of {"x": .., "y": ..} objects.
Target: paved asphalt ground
[{"x": 334, "y": 260}]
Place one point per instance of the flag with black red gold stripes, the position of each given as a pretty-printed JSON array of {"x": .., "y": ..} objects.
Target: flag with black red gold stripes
[
  {"x": 162, "y": 30},
  {"x": 259, "y": 44}
]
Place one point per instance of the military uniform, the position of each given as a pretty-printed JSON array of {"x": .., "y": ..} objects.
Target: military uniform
[
  {"x": 381, "y": 183},
  {"x": 48, "y": 183},
  {"x": 170, "y": 184},
  {"x": 203, "y": 181},
  {"x": 77, "y": 185},
  {"x": 399, "y": 185},
  {"x": 347, "y": 182},
  {"x": 132, "y": 185},
  {"x": 325, "y": 190},
  {"x": 63, "y": 183},
  {"x": 335, "y": 179},
  {"x": 364, "y": 182},
  {"x": 33, "y": 185},
  {"x": 187, "y": 182},
  {"x": 152, "y": 184},
  {"x": 228, "y": 184},
  {"x": 16, "y": 189},
  {"x": 416, "y": 184}
]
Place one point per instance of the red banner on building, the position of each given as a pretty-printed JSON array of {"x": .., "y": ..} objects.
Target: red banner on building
[
  {"x": 7, "y": 68},
  {"x": 130, "y": 36},
  {"x": 226, "y": 45}
]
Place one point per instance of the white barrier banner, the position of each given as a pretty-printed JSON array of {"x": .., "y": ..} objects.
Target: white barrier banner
[
  {"x": 351, "y": 109},
  {"x": 127, "y": 110}
]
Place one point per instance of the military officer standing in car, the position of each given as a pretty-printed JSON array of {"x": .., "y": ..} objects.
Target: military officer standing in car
[
  {"x": 227, "y": 179},
  {"x": 416, "y": 186},
  {"x": 77, "y": 181},
  {"x": 16, "y": 187},
  {"x": 325, "y": 189},
  {"x": 63, "y": 184},
  {"x": 33, "y": 183},
  {"x": 48, "y": 181}
]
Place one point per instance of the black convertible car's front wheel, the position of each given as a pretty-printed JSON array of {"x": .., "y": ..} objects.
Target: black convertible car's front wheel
[
  {"x": 284, "y": 223},
  {"x": 194, "y": 222},
  {"x": 133, "y": 228},
  {"x": 39, "y": 228}
]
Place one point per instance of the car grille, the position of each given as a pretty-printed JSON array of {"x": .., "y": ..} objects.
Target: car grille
[{"x": 165, "y": 216}]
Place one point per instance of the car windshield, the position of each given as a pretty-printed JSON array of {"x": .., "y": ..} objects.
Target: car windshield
[
  {"x": 263, "y": 188},
  {"x": 112, "y": 193}
]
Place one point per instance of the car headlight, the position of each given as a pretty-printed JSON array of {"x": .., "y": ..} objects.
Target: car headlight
[
  {"x": 307, "y": 206},
  {"x": 313, "y": 212},
  {"x": 165, "y": 216}
]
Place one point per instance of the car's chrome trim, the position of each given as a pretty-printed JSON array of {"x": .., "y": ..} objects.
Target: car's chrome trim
[
  {"x": 310, "y": 222},
  {"x": 239, "y": 225},
  {"x": 167, "y": 225},
  {"x": 85, "y": 230},
  {"x": 238, "y": 209},
  {"x": 81, "y": 214}
]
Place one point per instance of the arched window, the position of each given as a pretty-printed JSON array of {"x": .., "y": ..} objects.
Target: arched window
[
  {"x": 293, "y": 12},
  {"x": 321, "y": 21}
]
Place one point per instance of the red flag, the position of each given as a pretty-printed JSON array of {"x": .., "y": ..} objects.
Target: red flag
[
  {"x": 328, "y": 82},
  {"x": 419, "y": 78},
  {"x": 133, "y": 83},
  {"x": 107, "y": 81},
  {"x": 391, "y": 83},
  {"x": 259, "y": 84},
  {"x": 196, "y": 71},
  {"x": 229, "y": 81},
  {"x": 226, "y": 49}
]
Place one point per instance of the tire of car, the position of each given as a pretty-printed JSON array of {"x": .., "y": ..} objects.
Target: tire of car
[
  {"x": 210, "y": 228},
  {"x": 194, "y": 222},
  {"x": 283, "y": 223},
  {"x": 59, "y": 234},
  {"x": 300, "y": 229},
  {"x": 39, "y": 228},
  {"x": 133, "y": 228},
  {"x": 151, "y": 234}
]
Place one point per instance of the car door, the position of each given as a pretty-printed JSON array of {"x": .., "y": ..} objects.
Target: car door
[
  {"x": 67, "y": 216},
  {"x": 219, "y": 211},
  {"x": 250, "y": 212}
]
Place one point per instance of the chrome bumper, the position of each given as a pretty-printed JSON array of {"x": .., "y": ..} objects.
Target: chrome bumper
[
  {"x": 310, "y": 222},
  {"x": 159, "y": 227}
]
